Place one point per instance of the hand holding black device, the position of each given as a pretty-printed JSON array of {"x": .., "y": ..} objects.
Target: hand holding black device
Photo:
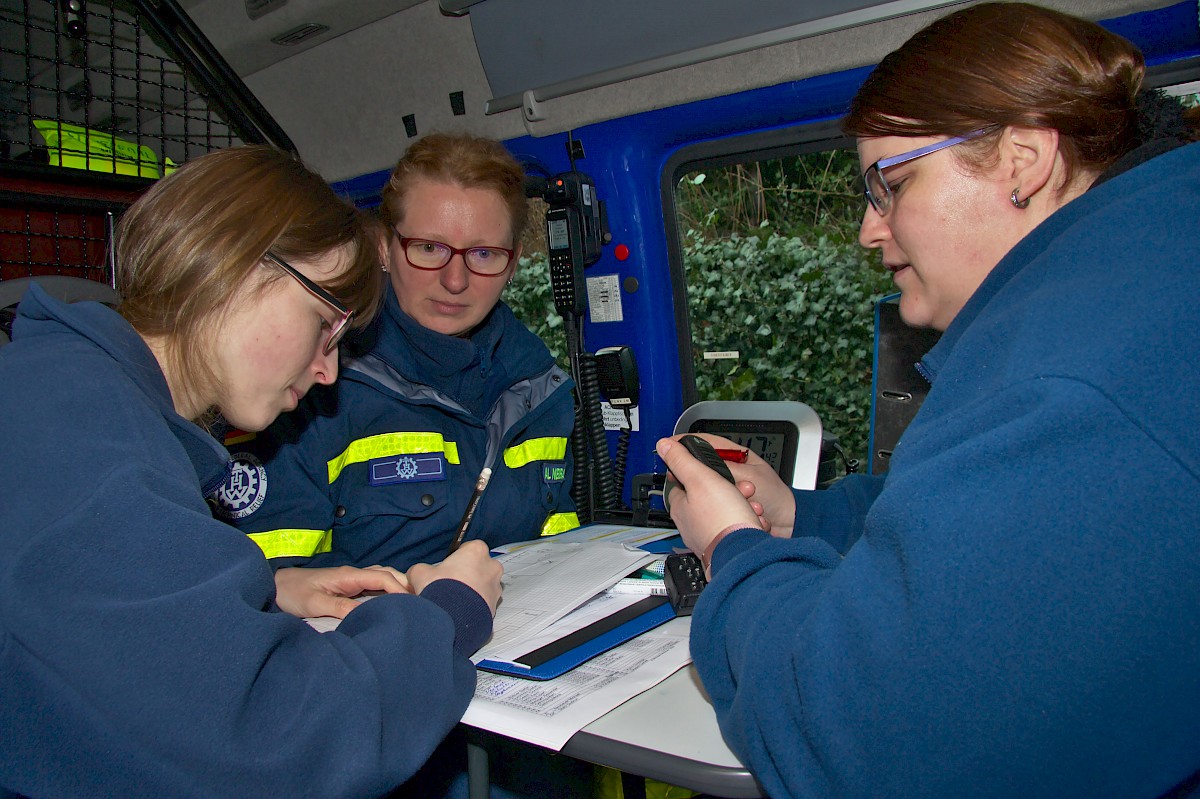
[
  {"x": 702, "y": 451},
  {"x": 683, "y": 573}
]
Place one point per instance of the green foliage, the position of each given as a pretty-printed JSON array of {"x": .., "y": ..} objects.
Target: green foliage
[
  {"x": 800, "y": 315},
  {"x": 775, "y": 273},
  {"x": 529, "y": 297},
  {"x": 813, "y": 194}
]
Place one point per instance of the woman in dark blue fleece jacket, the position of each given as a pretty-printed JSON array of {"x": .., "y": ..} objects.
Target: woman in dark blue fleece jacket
[
  {"x": 142, "y": 647},
  {"x": 1012, "y": 610}
]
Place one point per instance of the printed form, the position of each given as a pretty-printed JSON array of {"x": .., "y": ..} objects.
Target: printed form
[{"x": 549, "y": 713}]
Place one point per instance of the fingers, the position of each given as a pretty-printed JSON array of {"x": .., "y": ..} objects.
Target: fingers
[
  {"x": 398, "y": 582},
  {"x": 328, "y": 605}
]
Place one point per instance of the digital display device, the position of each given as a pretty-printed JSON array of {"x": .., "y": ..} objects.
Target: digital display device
[
  {"x": 773, "y": 441},
  {"x": 556, "y": 234}
]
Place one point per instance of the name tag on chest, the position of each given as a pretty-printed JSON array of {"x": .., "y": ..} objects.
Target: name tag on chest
[{"x": 406, "y": 469}]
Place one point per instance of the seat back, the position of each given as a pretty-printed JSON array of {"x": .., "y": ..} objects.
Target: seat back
[{"x": 898, "y": 388}]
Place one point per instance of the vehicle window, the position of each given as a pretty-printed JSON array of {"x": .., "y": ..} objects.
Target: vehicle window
[{"x": 780, "y": 294}]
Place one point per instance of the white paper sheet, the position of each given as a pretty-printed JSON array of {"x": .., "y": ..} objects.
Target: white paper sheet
[
  {"x": 612, "y": 533},
  {"x": 549, "y": 713},
  {"x": 544, "y": 582}
]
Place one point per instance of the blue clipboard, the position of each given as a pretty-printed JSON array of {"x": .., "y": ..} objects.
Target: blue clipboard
[{"x": 559, "y": 657}]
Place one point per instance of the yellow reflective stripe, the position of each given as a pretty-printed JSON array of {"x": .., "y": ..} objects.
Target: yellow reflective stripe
[
  {"x": 384, "y": 444},
  {"x": 535, "y": 449},
  {"x": 293, "y": 543},
  {"x": 559, "y": 523},
  {"x": 77, "y": 147}
]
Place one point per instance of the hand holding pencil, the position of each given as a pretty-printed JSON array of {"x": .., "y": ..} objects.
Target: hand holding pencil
[{"x": 472, "y": 565}]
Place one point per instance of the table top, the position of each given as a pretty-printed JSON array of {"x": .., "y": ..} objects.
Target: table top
[{"x": 667, "y": 733}]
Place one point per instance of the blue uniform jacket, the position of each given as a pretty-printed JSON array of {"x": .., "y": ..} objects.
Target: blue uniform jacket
[
  {"x": 1020, "y": 614},
  {"x": 380, "y": 468},
  {"x": 141, "y": 654}
]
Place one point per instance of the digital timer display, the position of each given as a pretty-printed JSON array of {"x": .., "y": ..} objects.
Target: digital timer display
[{"x": 773, "y": 441}]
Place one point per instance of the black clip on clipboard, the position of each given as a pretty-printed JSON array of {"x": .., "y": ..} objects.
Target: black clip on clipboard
[{"x": 559, "y": 657}]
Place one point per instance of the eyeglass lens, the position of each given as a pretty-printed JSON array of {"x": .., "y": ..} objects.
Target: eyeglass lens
[
  {"x": 338, "y": 328},
  {"x": 427, "y": 254},
  {"x": 878, "y": 192}
]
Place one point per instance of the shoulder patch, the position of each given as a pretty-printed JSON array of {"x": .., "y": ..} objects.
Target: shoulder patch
[{"x": 244, "y": 489}]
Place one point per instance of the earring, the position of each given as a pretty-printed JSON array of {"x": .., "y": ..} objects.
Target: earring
[
  {"x": 509, "y": 281},
  {"x": 1022, "y": 204},
  {"x": 383, "y": 266}
]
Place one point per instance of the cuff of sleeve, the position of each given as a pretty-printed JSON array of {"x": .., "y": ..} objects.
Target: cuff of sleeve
[
  {"x": 731, "y": 544},
  {"x": 470, "y": 613}
]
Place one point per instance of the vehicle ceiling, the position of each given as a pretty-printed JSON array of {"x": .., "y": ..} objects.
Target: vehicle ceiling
[{"x": 343, "y": 94}]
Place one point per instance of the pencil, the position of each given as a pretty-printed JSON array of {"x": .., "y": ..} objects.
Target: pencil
[{"x": 476, "y": 495}]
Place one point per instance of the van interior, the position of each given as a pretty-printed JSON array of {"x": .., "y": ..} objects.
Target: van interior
[{"x": 690, "y": 148}]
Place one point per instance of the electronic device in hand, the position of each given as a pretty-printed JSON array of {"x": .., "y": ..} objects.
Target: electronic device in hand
[
  {"x": 683, "y": 574},
  {"x": 702, "y": 451}
]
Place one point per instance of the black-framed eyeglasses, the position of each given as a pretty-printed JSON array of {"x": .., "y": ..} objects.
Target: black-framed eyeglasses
[
  {"x": 341, "y": 322},
  {"x": 431, "y": 256},
  {"x": 875, "y": 185}
]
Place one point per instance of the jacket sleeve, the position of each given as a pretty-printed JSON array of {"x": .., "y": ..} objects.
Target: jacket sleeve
[
  {"x": 837, "y": 513},
  {"x": 1016, "y": 619},
  {"x": 141, "y": 659}
]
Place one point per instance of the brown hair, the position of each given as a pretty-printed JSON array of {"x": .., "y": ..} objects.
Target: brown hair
[
  {"x": 1001, "y": 64},
  {"x": 459, "y": 159},
  {"x": 188, "y": 247}
]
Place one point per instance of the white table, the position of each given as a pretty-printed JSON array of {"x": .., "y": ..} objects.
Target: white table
[{"x": 669, "y": 733}]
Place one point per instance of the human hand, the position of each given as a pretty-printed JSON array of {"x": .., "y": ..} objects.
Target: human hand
[
  {"x": 759, "y": 482},
  {"x": 328, "y": 592},
  {"x": 704, "y": 503},
  {"x": 472, "y": 564}
]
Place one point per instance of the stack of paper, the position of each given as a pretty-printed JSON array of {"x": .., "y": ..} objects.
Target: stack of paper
[{"x": 546, "y": 581}]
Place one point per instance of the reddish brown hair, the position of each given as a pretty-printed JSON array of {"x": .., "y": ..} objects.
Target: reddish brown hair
[
  {"x": 1001, "y": 64},
  {"x": 471, "y": 162}
]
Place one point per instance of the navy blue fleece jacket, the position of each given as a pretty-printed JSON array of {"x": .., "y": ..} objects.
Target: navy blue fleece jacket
[
  {"x": 141, "y": 653},
  {"x": 1020, "y": 614}
]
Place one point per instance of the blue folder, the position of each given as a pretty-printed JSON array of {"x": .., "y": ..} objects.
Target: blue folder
[{"x": 559, "y": 657}]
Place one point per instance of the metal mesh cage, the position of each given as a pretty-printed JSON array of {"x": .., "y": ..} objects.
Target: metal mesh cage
[
  {"x": 84, "y": 85},
  {"x": 97, "y": 99}
]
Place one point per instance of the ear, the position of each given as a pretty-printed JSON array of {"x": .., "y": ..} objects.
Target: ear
[
  {"x": 384, "y": 255},
  {"x": 1028, "y": 157}
]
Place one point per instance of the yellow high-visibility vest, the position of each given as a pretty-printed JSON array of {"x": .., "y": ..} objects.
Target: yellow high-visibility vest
[{"x": 76, "y": 147}]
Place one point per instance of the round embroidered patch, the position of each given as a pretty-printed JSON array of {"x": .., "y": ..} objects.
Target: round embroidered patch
[{"x": 245, "y": 489}]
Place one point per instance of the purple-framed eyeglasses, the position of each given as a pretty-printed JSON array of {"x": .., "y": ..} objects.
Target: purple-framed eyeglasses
[
  {"x": 875, "y": 185},
  {"x": 343, "y": 315},
  {"x": 431, "y": 256}
]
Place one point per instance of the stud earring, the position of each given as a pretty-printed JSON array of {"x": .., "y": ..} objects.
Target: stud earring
[{"x": 1022, "y": 204}]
